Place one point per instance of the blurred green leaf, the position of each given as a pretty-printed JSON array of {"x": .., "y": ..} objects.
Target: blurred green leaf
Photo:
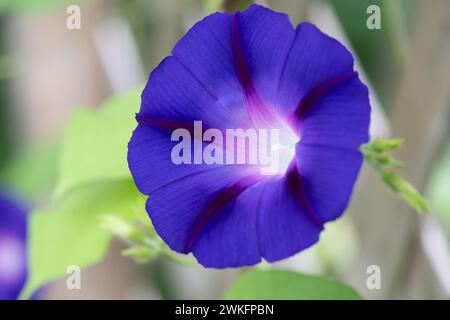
[
  {"x": 95, "y": 145},
  {"x": 278, "y": 285},
  {"x": 32, "y": 172},
  {"x": 8, "y": 66},
  {"x": 233, "y": 5},
  {"x": 438, "y": 189},
  {"x": 338, "y": 246},
  {"x": 378, "y": 50},
  {"x": 211, "y": 6},
  {"x": 375, "y": 153},
  {"x": 70, "y": 234},
  {"x": 94, "y": 184},
  {"x": 33, "y": 5}
]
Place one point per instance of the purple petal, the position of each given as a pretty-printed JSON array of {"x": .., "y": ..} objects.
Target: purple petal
[
  {"x": 328, "y": 175},
  {"x": 314, "y": 58},
  {"x": 13, "y": 259},
  {"x": 340, "y": 118},
  {"x": 265, "y": 38},
  {"x": 254, "y": 34},
  {"x": 328, "y": 160},
  {"x": 297, "y": 189},
  {"x": 233, "y": 57},
  {"x": 206, "y": 51},
  {"x": 263, "y": 221},
  {"x": 284, "y": 226},
  {"x": 178, "y": 194},
  {"x": 176, "y": 208},
  {"x": 151, "y": 165},
  {"x": 216, "y": 204},
  {"x": 230, "y": 239},
  {"x": 319, "y": 91},
  {"x": 174, "y": 95}
]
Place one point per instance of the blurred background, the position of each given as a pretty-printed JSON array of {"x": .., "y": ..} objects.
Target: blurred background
[{"x": 48, "y": 67}]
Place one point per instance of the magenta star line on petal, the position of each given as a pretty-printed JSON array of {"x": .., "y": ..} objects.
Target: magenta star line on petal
[{"x": 249, "y": 71}]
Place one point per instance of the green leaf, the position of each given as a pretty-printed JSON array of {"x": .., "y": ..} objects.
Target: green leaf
[
  {"x": 95, "y": 145},
  {"x": 211, "y": 6},
  {"x": 8, "y": 66},
  {"x": 31, "y": 173},
  {"x": 231, "y": 6},
  {"x": 27, "y": 6},
  {"x": 338, "y": 245},
  {"x": 70, "y": 233},
  {"x": 438, "y": 187},
  {"x": 288, "y": 285},
  {"x": 94, "y": 187}
]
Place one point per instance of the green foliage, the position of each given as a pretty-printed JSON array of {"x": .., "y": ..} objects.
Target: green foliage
[
  {"x": 95, "y": 145},
  {"x": 95, "y": 199},
  {"x": 27, "y": 6},
  {"x": 288, "y": 285},
  {"x": 94, "y": 183},
  {"x": 8, "y": 66},
  {"x": 380, "y": 51},
  {"x": 31, "y": 173},
  {"x": 69, "y": 234},
  {"x": 376, "y": 155},
  {"x": 232, "y": 5},
  {"x": 211, "y": 6},
  {"x": 438, "y": 189},
  {"x": 338, "y": 246}
]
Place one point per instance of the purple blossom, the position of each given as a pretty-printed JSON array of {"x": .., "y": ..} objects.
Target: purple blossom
[
  {"x": 251, "y": 70},
  {"x": 13, "y": 261}
]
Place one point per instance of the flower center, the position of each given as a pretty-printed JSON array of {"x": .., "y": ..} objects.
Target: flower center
[
  {"x": 276, "y": 150},
  {"x": 285, "y": 149}
]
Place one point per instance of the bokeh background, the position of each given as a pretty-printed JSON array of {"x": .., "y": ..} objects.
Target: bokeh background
[{"x": 47, "y": 70}]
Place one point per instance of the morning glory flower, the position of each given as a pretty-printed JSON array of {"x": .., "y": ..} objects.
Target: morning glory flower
[
  {"x": 249, "y": 70},
  {"x": 13, "y": 270}
]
